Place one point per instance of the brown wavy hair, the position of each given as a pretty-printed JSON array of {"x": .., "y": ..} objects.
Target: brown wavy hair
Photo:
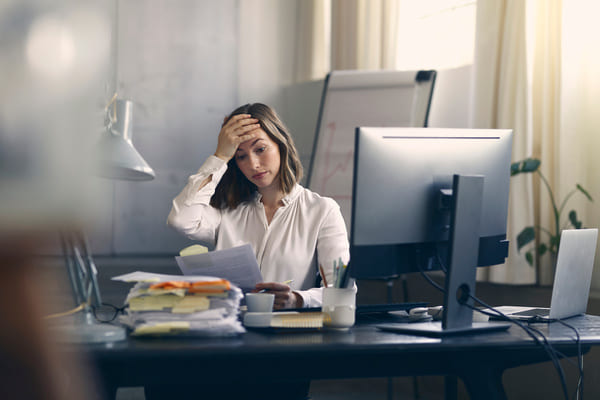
[{"x": 234, "y": 188}]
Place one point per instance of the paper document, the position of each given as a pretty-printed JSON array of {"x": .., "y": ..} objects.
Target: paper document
[
  {"x": 238, "y": 265},
  {"x": 139, "y": 276}
]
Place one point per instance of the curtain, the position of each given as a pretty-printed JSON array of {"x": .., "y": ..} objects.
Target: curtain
[
  {"x": 345, "y": 34},
  {"x": 500, "y": 101},
  {"x": 559, "y": 123},
  {"x": 364, "y": 34},
  {"x": 579, "y": 139},
  {"x": 313, "y": 40},
  {"x": 545, "y": 77},
  {"x": 535, "y": 71}
]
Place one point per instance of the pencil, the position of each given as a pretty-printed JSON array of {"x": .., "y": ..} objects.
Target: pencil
[{"x": 323, "y": 275}]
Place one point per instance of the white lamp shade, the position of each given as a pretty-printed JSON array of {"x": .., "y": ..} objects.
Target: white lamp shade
[{"x": 118, "y": 158}]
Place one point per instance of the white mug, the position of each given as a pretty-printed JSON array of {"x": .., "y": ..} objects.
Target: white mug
[{"x": 260, "y": 302}]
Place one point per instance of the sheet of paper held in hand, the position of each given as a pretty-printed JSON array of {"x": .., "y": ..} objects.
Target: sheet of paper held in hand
[{"x": 238, "y": 265}]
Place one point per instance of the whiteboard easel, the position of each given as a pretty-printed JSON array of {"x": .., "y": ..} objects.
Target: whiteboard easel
[{"x": 361, "y": 98}]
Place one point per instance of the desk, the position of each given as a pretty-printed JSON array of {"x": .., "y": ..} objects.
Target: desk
[{"x": 362, "y": 352}]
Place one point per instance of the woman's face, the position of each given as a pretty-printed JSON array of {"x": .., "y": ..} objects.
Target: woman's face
[{"x": 259, "y": 160}]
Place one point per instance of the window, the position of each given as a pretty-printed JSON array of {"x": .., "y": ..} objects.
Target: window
[{"x": 435, "y": 34}]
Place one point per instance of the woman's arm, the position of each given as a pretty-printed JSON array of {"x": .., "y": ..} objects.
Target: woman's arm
[
  {"x": 332, "y": 245},
  {"x": 191, "y": 212}
]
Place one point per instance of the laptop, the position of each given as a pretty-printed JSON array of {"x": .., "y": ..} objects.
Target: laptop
[{"x": 572, "y": 279}]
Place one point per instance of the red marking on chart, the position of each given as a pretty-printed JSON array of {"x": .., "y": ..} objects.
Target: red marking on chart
[{"x": 332, "y": 170}]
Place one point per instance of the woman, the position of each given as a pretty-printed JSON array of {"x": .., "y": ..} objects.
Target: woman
[{"x": 248, "y": 192}]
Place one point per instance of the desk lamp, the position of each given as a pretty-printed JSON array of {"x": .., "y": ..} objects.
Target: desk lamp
[{"x": 117, "y": 159}]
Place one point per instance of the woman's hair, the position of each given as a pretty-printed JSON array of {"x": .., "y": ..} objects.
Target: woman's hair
[{"x": 234, "y": 188}]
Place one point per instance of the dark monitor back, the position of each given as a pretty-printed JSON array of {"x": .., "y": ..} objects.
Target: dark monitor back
[{"x": 398, "y": 223}]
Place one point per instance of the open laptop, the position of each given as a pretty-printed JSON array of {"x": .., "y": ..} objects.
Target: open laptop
[{"x": 572, "y": 279}]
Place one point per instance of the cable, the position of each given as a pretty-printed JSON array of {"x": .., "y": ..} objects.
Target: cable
[
  {"x": 428, "y": 279},
  {"x": 65, "y": 313},
  {"x": 552, "y": 353},
  {"x": 579, "y": 390},
  {"x": 548, "y": 348}
]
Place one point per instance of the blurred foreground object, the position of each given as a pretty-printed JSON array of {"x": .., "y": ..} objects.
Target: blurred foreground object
[
  {"x": 54, "y": 62},
  {"x": 54, "y": 58}
]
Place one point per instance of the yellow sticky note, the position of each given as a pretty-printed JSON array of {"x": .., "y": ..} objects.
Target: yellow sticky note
[
  {"x": 193, "y": 250},
  {"x": 162, "y": 328},
  {"x": 191, "y": 304},
  {"x": 161, "y": 292},
  {"x": 153, "y": 303}
]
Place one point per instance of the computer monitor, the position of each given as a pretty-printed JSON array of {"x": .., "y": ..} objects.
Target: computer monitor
[{"x": 405, "y": 200}]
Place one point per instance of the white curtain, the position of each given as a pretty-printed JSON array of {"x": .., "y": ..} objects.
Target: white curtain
[
  {"x": 364, "y": 34},
  {"x": 559, "y": 123},
  {"x": 579, "y": 138},
  {"x": 345, "y": 34},
  {"x": 313, "y": 40},
  {"x": 500, "y": 100},
  {"x": 535, "y": 71},
  {"x": 545, "y": 77}
]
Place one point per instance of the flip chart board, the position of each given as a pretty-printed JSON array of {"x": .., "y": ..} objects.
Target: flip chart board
[{"x": 362, "y": 98}]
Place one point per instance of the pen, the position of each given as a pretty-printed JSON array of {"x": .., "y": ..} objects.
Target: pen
[{"x": 336, "y": 272}]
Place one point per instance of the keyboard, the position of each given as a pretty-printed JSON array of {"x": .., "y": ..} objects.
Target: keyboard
[
  {"x": 533, "y": 312},
  {"x": 369, "y": 308},
  {"x": 383, "y": 308}
]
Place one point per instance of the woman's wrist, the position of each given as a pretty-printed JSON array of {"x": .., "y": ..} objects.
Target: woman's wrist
[
  {"x": 224, "y": 158},
  {"x": 299, "y": 300}
]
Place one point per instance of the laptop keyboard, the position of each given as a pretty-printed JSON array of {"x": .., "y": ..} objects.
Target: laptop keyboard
[{"x": 534, "y": 312}]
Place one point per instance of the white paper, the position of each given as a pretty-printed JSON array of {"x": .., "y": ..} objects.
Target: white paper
[
  {"x": 237, "y": 264},
  {"x": 139, "y": 276}
]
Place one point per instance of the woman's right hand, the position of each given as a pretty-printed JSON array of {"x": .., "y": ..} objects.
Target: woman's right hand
[{"x": 237, "y": 130}]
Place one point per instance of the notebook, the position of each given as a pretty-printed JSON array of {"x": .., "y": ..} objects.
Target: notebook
[{"x": 572, "y": 279}]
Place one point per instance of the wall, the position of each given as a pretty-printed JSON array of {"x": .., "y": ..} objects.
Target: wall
[
  {"x": 178, "y": 63},
  {"x": 186, "y": 65}
]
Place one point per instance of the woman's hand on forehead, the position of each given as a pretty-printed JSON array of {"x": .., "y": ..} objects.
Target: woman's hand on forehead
[{"x": 236, "y": 130}]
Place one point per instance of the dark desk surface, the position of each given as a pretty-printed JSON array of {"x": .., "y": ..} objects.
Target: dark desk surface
[{"x": 363, "y": 351}]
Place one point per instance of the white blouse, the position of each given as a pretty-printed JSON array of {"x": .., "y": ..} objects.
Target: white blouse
[{"x": 306, "y": 231}]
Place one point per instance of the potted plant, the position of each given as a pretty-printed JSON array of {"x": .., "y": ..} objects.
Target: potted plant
[{"x": 549, "y": 238}]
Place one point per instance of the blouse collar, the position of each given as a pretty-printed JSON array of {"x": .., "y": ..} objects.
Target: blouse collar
[{"x": 288, "y": 199}]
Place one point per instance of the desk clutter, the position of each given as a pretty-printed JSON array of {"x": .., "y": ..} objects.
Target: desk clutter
[{"x": 181, "y": 305}]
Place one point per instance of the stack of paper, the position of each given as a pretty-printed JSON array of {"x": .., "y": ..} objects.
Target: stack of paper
[{"x": 172, "y": 304}]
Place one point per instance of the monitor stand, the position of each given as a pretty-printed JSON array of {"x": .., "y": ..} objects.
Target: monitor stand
[{"x": 457, "y": 319}]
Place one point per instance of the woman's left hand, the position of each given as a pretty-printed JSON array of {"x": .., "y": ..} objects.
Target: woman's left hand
[{"x": 284, "y": 297}]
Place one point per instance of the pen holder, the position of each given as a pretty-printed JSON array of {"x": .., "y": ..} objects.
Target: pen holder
[{"x": 340, "y": 305}]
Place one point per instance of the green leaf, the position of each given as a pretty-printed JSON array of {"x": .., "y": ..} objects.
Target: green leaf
[
  {"x": 574, "y": 221},
  {"x": 542, "y": 249},
  {"x": 526, "y": 236},
  {"x": 582, "y": 190},
  {"x": 529, "y": 258},
  {"x": 524, "y": 166},
  {"x": 530, "y": 165},
  {"x": 515, "y": 168}
]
